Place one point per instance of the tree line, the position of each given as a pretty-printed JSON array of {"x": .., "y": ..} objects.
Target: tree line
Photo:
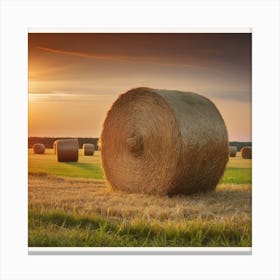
[
  {"x": 48, "y": 142},
  {"x": 240, "y": 145}
]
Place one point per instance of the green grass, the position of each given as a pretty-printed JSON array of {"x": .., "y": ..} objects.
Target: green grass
[
  {"x": 86, "y": 167},
  {"x": 238, "y": 170},
  {"x": 70, "y": 206},
  {"x": 56, "y": 228},
  {"x": 235, "y": 175}
]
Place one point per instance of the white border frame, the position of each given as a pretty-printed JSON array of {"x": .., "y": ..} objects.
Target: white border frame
[
  {"x": 18, "y": 16},
  {"x": 140, "y": 251}
]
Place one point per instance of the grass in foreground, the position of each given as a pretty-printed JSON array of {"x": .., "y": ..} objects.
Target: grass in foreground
[
  {"x": 83, "y": 212},
  {"x": 70, "y": 205},
  {"x": 57, "y": 228}
]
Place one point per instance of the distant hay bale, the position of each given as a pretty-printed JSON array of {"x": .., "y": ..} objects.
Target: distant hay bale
[
  {"x": 232, "y": 151},
  {"x": 54, "y": 146},
  {"x": 39, "y": 148},
  {"x": 67, "y": 150},
  {"x": 246, "y": 152},
  {"x": 88, "y": 149},
  {"x": 163, "y": 142}
]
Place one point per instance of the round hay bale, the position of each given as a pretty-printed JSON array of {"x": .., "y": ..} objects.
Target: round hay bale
[
  {"x": 67, "y": 150},
  {"x": 38, "y": 148},
  {"x": 246, "y": 152},
  {"x": 54, "y": 146},
  {"x": 163, "y": 142},
  {"x": 99, "y": 144},
  {"x": 232, "y": 151},
  {"x": 88, "y": 149}
]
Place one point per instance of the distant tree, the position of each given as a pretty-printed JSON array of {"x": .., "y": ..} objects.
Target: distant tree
[
  {"x": 240, "y": 145},
  {"x": 48, "y": 141}
]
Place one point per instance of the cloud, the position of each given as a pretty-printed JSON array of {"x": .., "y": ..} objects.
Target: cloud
[
  {"x": 123, "y": 58},
  {"x": 234, "y": 95},
  {"x": 64, "y": 97}
]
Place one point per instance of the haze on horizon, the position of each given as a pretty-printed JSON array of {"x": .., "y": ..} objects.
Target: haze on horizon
[{"x": 73, "y": 78}]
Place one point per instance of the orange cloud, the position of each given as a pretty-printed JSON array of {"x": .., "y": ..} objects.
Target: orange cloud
[{"x": 121, "y": 58}]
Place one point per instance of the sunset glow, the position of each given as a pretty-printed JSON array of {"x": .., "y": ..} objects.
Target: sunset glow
[{"x": 75, "y": 78}]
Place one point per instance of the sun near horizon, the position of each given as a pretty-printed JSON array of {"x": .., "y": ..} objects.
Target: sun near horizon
[{"x": 75, "y": 77}]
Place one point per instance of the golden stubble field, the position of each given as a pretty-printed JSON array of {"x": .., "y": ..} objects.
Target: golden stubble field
[
  {"x": 60, "y": 205},
  {"x": 89, "y": 196}
]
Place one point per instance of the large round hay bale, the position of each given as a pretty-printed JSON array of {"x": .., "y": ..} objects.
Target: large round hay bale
[
  {"x": 99, "y": 144},
  {"x": 67, "y": 150},
  {"x": 38, "y": 148},
  {"x": 54, "y": 146},
  {"x": 163, "y": 142},
  {"x": 88, "y": 149},
  {"x": 232, "y": 151},
  {"x": 246, "y": 152}
]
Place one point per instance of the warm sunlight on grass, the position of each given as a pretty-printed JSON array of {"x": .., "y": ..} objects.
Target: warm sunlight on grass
[
  {"x": 70, "y": 205},
  {"x": 86, "y": 167},
  {"x": 238, "y": 170}
]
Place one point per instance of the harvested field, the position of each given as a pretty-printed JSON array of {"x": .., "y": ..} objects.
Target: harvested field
[{"x": 67, "y": 211}]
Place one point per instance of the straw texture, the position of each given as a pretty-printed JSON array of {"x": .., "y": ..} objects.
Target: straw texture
[
  {"x": 67, "y": 150},
  {"x": 54, "y": 146},
  {"x": 163, "y": 142},
  {"x": 246, "y": 152},
  {"x": 99, "y": 144},
  {"x": 232, "y": 151},
  {"x": 38, "y": 148},
  {"x": 88, "y": 149}
]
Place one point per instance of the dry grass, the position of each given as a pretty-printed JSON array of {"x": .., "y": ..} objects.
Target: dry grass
[
  {"x": 89, "y": 196},
  {"x": 82, "y": 212}
]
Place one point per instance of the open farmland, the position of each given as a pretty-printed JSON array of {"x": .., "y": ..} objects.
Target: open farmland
[{"x": 70, "y": 205}]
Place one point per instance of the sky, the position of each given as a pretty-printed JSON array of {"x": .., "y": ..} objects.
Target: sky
[{"x": 73, "y": 78}]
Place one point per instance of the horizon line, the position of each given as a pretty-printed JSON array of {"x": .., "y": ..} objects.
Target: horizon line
[{"x": 100, "y": 136}]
